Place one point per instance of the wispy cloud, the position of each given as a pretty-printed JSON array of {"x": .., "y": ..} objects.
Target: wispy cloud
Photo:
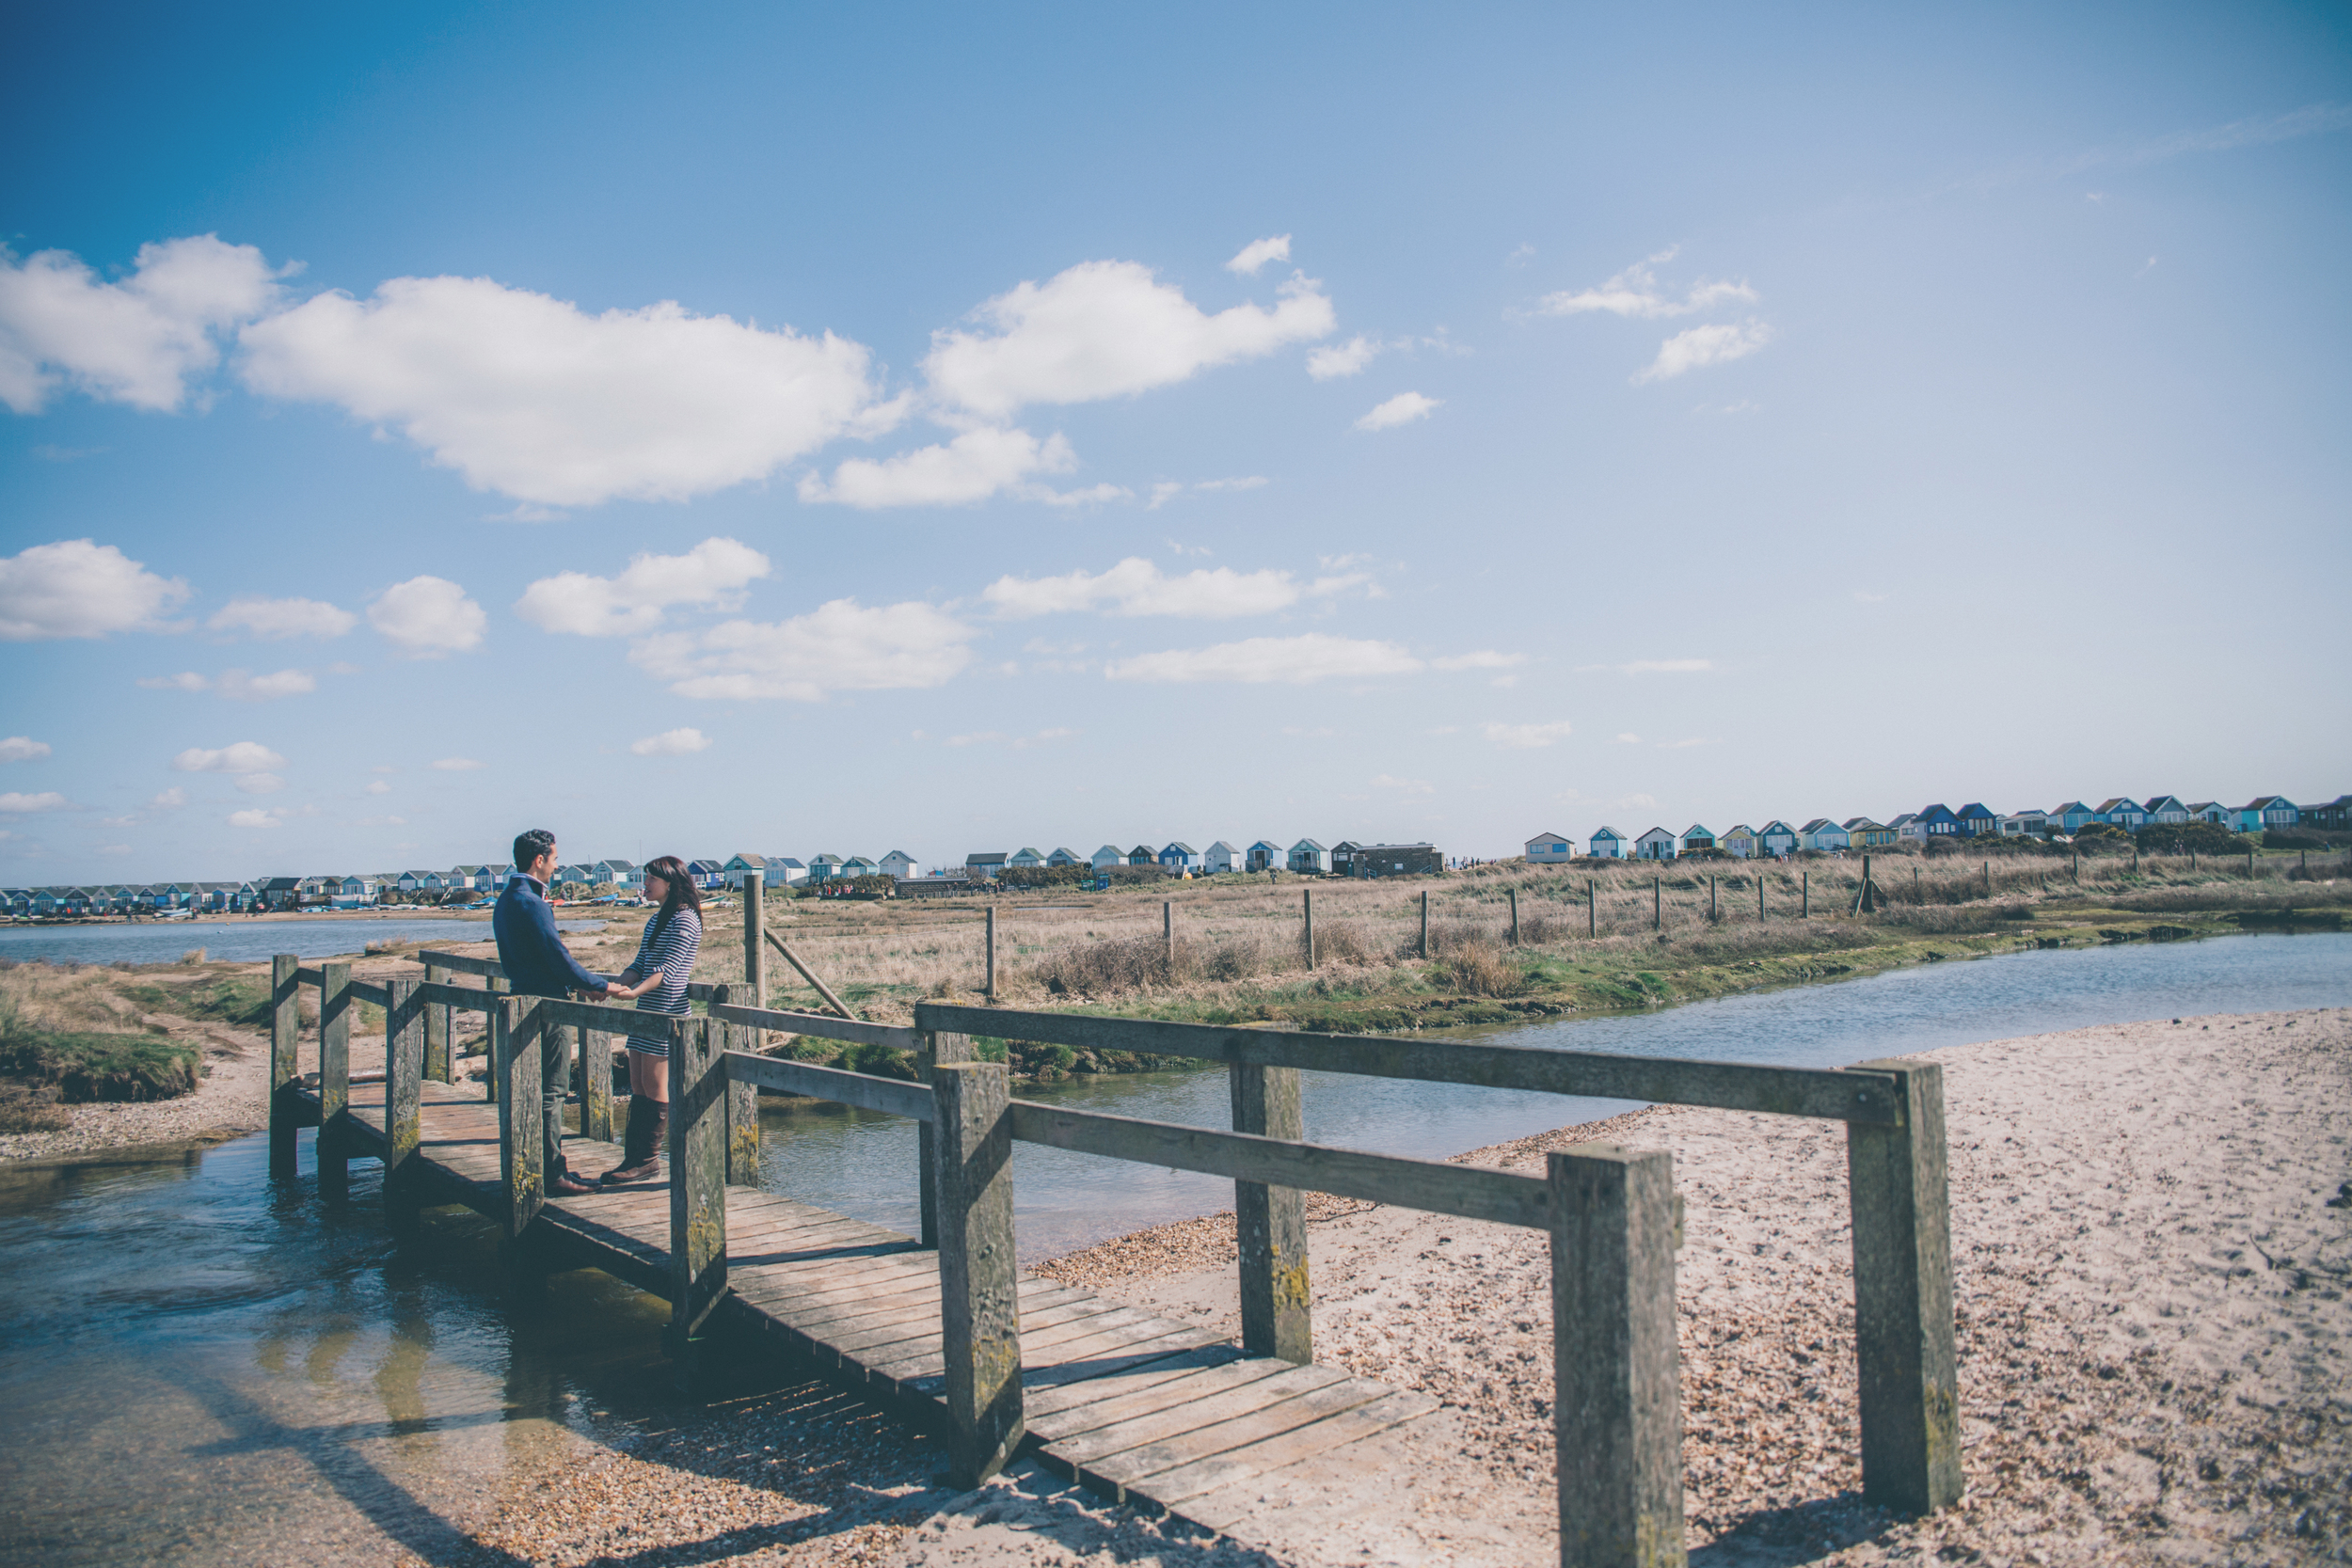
[
  {"x": 1262, "y": 661},
  {"x": 1635, "y": 291},
  {"x": 1526, "y": 737},
  {"x": 1404, "y": 408},
  {"x": 1716, "y": 344}
]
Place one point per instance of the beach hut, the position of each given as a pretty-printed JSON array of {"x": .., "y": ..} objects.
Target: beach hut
[
  {"x": 1608, "y": 844},
  {"x": 1549, "y": 849},
  {"x": 2124, "y": 812},
  {"x": 2026, "y": 824},
  {"x": 898, "y": 865},
  {"x": 1308, "y": 856},
  {"x": 1063, "y": 857},
  {"x": 1143, "y": 854},
  {"x": 1025, "y": 859},
  {"x": 2166, "y": 808},
  {"x": 1696, "y": 838},
  {"x": 2271, "y": 812},
  {"x": 1179, "y": 857},
  {"x": 1108, "y": 856},
  {"x": 1265, "y": 855},
  {"x": 1977, "y": 821},
  {"x": 2073, "y": 817},
  {"x": 1656, "y": 845},
  {"x": 1863, "y": 833},
  {"x": 1776, "y": 837},
  {"x": 1220, "y": 858},
  {"x": 858, "y": 866},
  {"x": 1739, "y": 843},
  {"x": 1823, "y": 834}
]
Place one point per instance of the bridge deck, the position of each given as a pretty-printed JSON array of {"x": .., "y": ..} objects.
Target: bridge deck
[{"x": 1138, "y": 1407}]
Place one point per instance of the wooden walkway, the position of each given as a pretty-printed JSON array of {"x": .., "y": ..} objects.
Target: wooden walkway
[{"x": 1138, "y": 1408}]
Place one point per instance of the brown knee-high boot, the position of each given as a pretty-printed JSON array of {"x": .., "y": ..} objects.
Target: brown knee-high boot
[{"x": 641, "y": 1144}]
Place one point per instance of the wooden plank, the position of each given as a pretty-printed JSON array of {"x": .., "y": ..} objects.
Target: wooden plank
[
  {"x": 335, "y": 1006},
  {"x": 1733, "y": 1086},
  {"x": 1903, "y": 1329},
  {"x": 824, "y": 1026},
  {"x": 595, "y": 1084},
  {"x": 1239, "y": 1395},
  {"x": 1191, "y": 1486},
  {"x": 1617, "y": 1408},
  {"x": 285, "y": 1069},
  {"x": 1071, "y": 1397},
  {"x": 521, "y": 1118},
  {"x": 1270, "y": 1223},
  {"x": 1465, "y": 1190},
  {"x": 979, "y": 1311},
  {"x": 891, "y": 1096},
  {"x": 1162, "y": 1394},
  {"x": 472, "y": 998},
  {"x": 436, "y": 1031},
  {"x": 698, "y": 1189},
  {"x": 930, "y": 1050},
  {"x": 1110, "y": 1360},
  {"x": 400, "y": 1110},
  {"x": 742, "y": 1096},
  {"x": 1133, "y": 1468}
]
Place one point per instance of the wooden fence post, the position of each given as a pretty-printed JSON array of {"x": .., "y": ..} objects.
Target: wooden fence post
[
  {"x": 1902, "y": 1272},
  {"x": 1271, "y": 1222},
  {"x": 1309, "y": 899},
  {"x": 1759, "y": 892},
  {"x": 742, "y": 1101},
  {"x": 334, "y": 1143},
  {"x": 1592, "y": 910},
  {"x": 1805, "y": 897},
  {"x": 1617, "y": 1404},
  {"x": 1711, "y": 911},
  {"x": 1424, "y": 923},
  {"x": 2249, "y": 865},
  {"x": 514, "y": 1047},
  {"x": 979, "y": 1314},
  {"x": 932, "y": 1047},
  {"x": 439, "y": 1065},
  {"x": 2075, "y": 870},
  {"x": 404, "y": 1091},
  {"x": 595, "y": 1084},
  {"x": 698, "y": 1186},
  {"x": 1515, "y": 915},
  {"x": 1658, "y": 903},
  {"x": 990, "y": 988},
  {"x": 285, "y": 1040},
  {"x": 1167, "y": 932},
  {"x": 492, "y": 1089},
  {"x": 754, "y": 890}
]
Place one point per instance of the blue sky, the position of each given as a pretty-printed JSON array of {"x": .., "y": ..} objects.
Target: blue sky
[{"x": 941, "y": 430}]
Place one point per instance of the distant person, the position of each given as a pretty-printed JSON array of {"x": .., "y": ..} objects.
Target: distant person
[
  {"x": 656, "y": 979},
  {"x": 538, "y": 964}
]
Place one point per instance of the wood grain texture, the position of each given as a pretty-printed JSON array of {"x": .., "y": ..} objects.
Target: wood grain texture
[
  {"x": 892, "y": 1096},
  {"x": 285, "y": 1043},
  {"x": 823, "y": 1025},
  {"x": 698, "y": 1167},
  {"x": 743, "y": 1095},
  {"x": 1902, "y": 1275},
  {"x": 515, "y": 1068},
  {"x": 335, "y": 1005},
  {"x": 1270, "y": 1223},
  {"x": 1617, "y": 1405},
  {"x": 437, "y": 1019},
  {"x": 980, "y": 1310},
  {"x": 403, "y": 1090},
  {"x": 930, "y": 1050}
]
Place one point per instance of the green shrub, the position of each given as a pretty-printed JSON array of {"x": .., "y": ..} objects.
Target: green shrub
[{"x": 89, "y": 1067}]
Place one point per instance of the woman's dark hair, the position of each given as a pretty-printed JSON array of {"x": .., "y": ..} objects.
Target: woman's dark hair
[{"x": 679, "y": 890}]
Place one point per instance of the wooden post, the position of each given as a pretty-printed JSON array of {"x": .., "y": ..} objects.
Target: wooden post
[
  {"x": 1805, "y": 897},
  {"x": 334, "y": 1144},
  {"x": 514, "y": 1047},
  {"x": 2249, "y": 865},
  {"x": 491, "y": 1088},
  {"x": 1167, "y": 932},
  {"x": 1658, "y": 903},
  {"x": 1515, "y": 915},
  {"x": 1617, "y": 1404},
  {"x": 437, "y": 1055},
  {"x": 754, "y": 890},
  {"x": 1424, "y": 923},
  {"x": 1903, "y": 1269},
  {"x": 1271, "y": 1222},
  {"x": 742, "y": 1109},
  {"x": 698, "y": 1185},
  {"x": 933, "y": 1048},
  {"x": 1866, "y": 900},
  {"x": 1759, "y": 892},
  {"x": 991, "y": 987},
  {"x": 404, "y": 1091},
  {"x": 979, "y": 1314},
  {"x": 285, "y": 1041},
  {"x": 1988, "y": 872},
  {"x": 1309, "y": 899},
  {"x": 1711, "y": 911},
  {"x": 595, "y": 1084},
  {"x": 2075, "y": 870},
  {"x": 1592, "y": 910}
]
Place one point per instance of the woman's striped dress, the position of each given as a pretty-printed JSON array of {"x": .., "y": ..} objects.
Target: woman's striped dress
[{"x": 672, "y": 950}]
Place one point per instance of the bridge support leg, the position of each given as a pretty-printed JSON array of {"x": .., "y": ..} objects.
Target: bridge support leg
[
  {"x": 285, "y": 1040},
  {"x": 334, "y": 1141},
  {"x": 698, "y": 1191},
  {"x": 595, "y": 1084},
  {"x": 1617, "y": 1407},
  {"x": 979, "y": 1312},
  {"x": 743, "y": 1108},
  {"x": 1271, "y": 1222},
  {"x": 931, "y": 1049},
  {"x": 514, "y": 1073},
  {"x": 405, "y": 1050},
  {"x": 436, "y": 1021},
  {"x": 1902, "y": 1278}
]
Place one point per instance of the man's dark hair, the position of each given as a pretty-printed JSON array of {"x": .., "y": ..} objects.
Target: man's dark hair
[{"x": 530, "y": 846}]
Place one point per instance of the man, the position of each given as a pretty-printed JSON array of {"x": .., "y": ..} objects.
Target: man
[{"x": 538, "y": 964}]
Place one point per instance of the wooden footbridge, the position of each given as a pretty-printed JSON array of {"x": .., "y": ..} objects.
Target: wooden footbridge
[{"x": 1138, "y": 1407}]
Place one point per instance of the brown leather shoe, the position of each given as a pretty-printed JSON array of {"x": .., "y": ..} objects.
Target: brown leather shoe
[
  {"x": 633, "y": 1176},
  {"x": 568, "y": 1185}
]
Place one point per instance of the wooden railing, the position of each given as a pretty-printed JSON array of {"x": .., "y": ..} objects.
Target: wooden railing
[{"x": 1612, "y": 1213}]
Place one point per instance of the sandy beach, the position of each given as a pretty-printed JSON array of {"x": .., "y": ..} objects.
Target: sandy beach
[{"x": 2153, "y": 1241}]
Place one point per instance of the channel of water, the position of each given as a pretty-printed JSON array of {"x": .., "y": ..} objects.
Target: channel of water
[{"x": 197, "y": 1367}]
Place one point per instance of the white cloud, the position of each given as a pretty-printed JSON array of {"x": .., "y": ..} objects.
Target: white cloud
[
  {"x": 839, "y": 646},
  {"x": 671, "y": 743},
  {"x": 1246, "y": 482},
  {"x": 712, "y": 573},
  {"x": 532, "y": 397},
  {"x": 1527, "y": 736},
  {"x": 1704, "y": 345},
  {"x": 48, "y": 799},
  {"x": 1653, "y": 667},
  {"x": 1138, "y": 587},
  {"x": 1343, "y": 359},
  {"x": 1404, "y": 408},
  {"x": 242, "y": 757},
  {"x": 1164, "y": 492},
  {"x": 260, "y": 783},
  {"x": 170, "y": 800},
  {"x": 1105, "y": 329},
  {"x": 239, "y": 687},
  {"x": 1627, "y": 738},
  {"x": 137, "y": 341},
  {"x": 973, "y": 466},
  {"x": 1635, "y": 292},
  {"x": 1257, "y": 253},
  {"x": 428, "y": 617},
  {"x": 455, "y": 764},
  {"x": 257, "y": 817},
  {"x": 1257, "y": 660},
  {"x": 1409, "y": 786},
  {"x": 186, "y": 680},
  {"x": 1092, "y": 495},
  {"x": 1485, "y": 658},
  {"x": 19, "y": 748},
  {"x": 378, "y": 786},
  {"x": 76, "y": 588},
  {"x": 280, "y": 618}
]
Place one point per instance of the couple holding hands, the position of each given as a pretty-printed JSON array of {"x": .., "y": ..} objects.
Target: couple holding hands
[{"x": 538, "y": 964}]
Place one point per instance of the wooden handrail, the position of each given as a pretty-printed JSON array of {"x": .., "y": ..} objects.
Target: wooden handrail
[
  {"x": 890, "y": 1096},
  {"x": 824, "y": 1026}
]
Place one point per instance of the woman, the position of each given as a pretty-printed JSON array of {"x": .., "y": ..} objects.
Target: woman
[{"x": 657, "y": 979}]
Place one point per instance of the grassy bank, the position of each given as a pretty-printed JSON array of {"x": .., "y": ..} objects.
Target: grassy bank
[{"x": 47, "y": 1063}]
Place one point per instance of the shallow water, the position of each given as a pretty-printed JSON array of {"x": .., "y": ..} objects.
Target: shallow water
[
  {"x": 196, "y": 1367},
  {"x": 234, "y": 940}
]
